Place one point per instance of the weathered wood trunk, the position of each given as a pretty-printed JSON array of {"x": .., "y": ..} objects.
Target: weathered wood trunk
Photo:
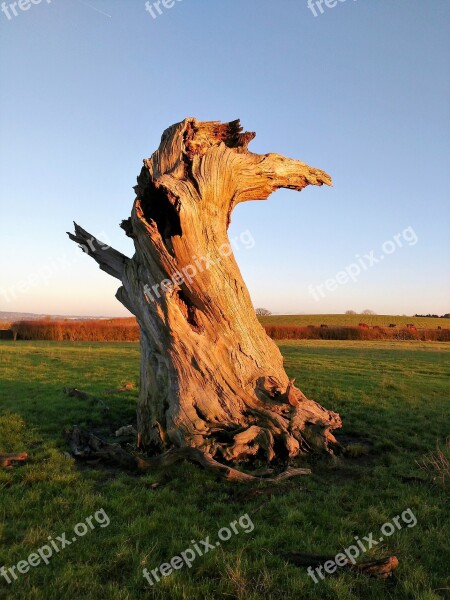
[{"x": 210, "y": 376}]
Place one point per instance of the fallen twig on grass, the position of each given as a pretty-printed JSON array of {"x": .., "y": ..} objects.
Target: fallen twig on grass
[
  {"x": 381, "y": 568},
  {"x": 7, "y": 460},
  {"x": 76, "y": 393},
  {"x": 124, "y": 388},
  {"x": 87, "y": 446}
]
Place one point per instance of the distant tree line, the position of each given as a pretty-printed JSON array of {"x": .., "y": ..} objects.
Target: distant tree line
[
  {"x": 127, "y": 330},
  {"x": 98, "y": 330},
  {"x": 325, "y": 332},
  {"x": 262, "y": 312},
  {"x": 446, "y": 316}
]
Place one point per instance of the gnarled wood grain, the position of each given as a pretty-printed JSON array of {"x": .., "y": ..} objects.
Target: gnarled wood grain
[{"x": 211, "y": 378}]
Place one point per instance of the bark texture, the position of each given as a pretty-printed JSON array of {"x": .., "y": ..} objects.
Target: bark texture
[{"x": 210, "y": 377}]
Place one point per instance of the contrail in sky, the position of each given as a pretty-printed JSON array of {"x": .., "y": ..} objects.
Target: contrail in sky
[{"x": 96, "y": 9}]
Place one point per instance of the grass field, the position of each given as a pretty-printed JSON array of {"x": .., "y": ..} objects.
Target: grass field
[
  {"x": 342, "y": 320},
  {"x": 394, "y": 401}
]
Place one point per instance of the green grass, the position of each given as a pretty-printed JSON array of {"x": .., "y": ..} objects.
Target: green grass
[
  {"x": 340, "y": 320},
  {"x": 393, "y": 398}
]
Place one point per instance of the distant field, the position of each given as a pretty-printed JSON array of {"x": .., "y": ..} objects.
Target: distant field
[
  {"x": 393, "y": 399},
  {"x": 341, "y": 320}
]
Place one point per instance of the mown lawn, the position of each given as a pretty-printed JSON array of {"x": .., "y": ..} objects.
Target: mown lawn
[{"x": 394, "y": 401}]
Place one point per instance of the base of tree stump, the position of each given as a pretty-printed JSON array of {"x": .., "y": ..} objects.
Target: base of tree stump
[{"x": 88, "y": 447}]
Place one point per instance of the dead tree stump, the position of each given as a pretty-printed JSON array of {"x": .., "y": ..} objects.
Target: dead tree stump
[{"x": 210, "y": 378}]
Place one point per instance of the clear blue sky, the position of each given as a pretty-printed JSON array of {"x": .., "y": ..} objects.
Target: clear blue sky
[{"x": 361, "y": 91}]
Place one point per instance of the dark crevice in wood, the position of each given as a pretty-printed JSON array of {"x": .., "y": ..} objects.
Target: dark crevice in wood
[
  {"x": 188, "y": 160},
  {"x": 157, "y": 207},
  {"x": 188, "y": 309}
]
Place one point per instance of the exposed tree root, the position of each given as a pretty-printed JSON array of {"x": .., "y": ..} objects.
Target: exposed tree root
[
  {"x": 198, "y": 456},
  {"x": 87, "y": 446},
  {"x": 126, "y": 430}
]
